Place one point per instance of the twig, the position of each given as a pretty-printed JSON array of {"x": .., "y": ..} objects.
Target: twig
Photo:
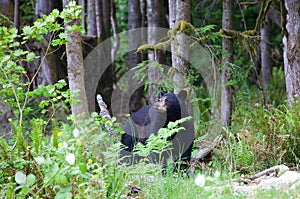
[
  {"x": 203, "y": 153},
  {"x": 105, "y": 114},
  {"x": 278, "y": 169}
]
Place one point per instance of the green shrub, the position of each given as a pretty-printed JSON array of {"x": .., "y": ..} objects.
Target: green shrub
[{"x": 262, "y": 137}]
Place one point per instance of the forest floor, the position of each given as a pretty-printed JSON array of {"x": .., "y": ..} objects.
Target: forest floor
[
  {"x": 266, "y": 186},
  {"x": 279, "y": 183}
]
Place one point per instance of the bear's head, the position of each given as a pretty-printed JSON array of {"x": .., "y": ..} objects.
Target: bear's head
[{"x": 169, "y": 103}]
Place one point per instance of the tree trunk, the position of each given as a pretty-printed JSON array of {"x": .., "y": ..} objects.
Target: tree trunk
[
  {"x": 291, "y": 42},
  {"x": 172, "y": 14},
  {"x": 83, "y": 13},
  {"x": 266, "y": 59},
  {"x": 99, "y": 18},
  {"x": 17, "y": 14},
  {"x": 156, "y": 18},
  {"x": 91, "y": 26},
  {"x": 105, "y": 83},
  {"x": 98, "y": 70},
  {"x": 76, "y": 71},
  {"x": 114, "y": 25},
  {"x": 7, "y": 9},
  {"x": 90, "y": 42},
  {"x": 43, "y": 7},
  {"x": 179, "y": 10},
  {"x": 52, "y": 68},
  {"x": 227, "y": 47},
  {"x": 287, "y": 71},
  {"x": 134, "y": 21}
]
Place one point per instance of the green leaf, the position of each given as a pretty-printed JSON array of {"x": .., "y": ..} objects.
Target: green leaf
[
  {"x": 25, "y": 191},
  {"x": 27, "y": 30},
  {"x": 55, "y": 13},
  {"x": 64, "y": 193},
  {"x": 31, "y": 56},
  {"x": 40, "y": 160},
  {"x": 55, "y": 168},
  {"x": 44, "y": 111},
  {"x": 5, "y": 58},
  {"x": 30, "y": 180},
  {"x": 56, "y": 42},
  {"x": 18, "y": 52},
  {"x": 63, "y": 35},
  {"x": 49, "y": 19},
  {"x": 20, "y": 178},
  {"x": 39, "y": 37},
  {"x": 44, "y": 103},
  {"x": 51, "y": 90},
  {"x": 230, "y": 83},
  {"x": 61, "y": 179},
  {"x": 83, "y": 168},
  {"x": 14, "y": 44},
  {"x": 70, "y": 158}
]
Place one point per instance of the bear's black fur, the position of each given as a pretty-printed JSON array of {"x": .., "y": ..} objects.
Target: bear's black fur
[{"x": 148, "y": 120}]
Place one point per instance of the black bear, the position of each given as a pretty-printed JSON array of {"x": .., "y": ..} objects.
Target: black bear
[{"x": 148, "y": 120}]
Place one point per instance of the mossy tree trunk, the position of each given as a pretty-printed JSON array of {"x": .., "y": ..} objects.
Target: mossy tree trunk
[
  {"x": 227, "y": 59},
  {"x": 76, "y": 71},
  {"x": 179, "y": 10}
]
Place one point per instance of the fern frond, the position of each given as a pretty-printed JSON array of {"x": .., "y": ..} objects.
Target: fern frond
[
  {"x": 17, "y": 131},
  {"x": 4, "y": 148},
  {"x": 37, "y": 134},
  {"x": 54, "y": 133}
]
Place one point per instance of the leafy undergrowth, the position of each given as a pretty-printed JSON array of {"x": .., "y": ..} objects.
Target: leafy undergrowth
[
  {"x": 260, "y": 138},
  {"x": 83, "y": 162}
]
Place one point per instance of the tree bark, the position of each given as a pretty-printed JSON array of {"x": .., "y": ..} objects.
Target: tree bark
[
  {"x": 83, "y": 13},
  {"x": 43, "y": 7},
  {"x": 266, "y": 59},
  {"x": 76, "y": 71},
  {"x": 227, "y": 58},
  {"x": 99, "y": 18},
  {"x": 7, "y": 9},
  {"x": 52, "y": 68},
  {"x": 144, "y": 23},
  {"x": 291, "y": 42},
  {"x": 179, "y": 10},
  {"x": 172, "y": 14},
  {"x": 17, "y": 14},
  {"x": 156, "y": 18},
  {"x": 116, "y": 43},
  {"x": 91, "y": 26}
]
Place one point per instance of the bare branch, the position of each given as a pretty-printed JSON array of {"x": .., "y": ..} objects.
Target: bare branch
[{"x": 105, "y": 114}]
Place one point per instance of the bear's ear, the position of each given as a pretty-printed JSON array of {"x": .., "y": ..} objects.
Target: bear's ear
[
  {"x": 161, "y": 93},
  {"x": 182, "y": 95}
]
